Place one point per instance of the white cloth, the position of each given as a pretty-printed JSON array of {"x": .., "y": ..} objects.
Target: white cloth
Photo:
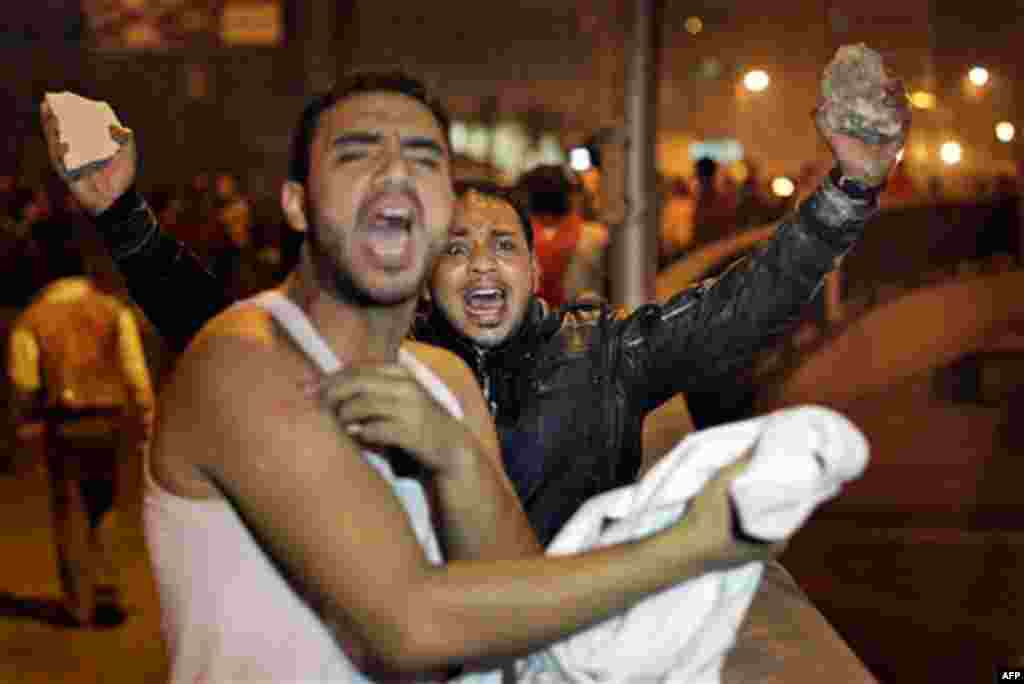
[
  {"x": 801, "y": 457},
  {"x": 228, "y": 615}
]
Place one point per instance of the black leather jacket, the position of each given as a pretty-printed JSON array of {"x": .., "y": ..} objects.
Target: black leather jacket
[{"x": 571, "y": 388}]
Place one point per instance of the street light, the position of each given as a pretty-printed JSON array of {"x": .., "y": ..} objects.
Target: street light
[
  {"x": 951, "y": 153},
  {"x": 756, "y": 80},
  {"x": 580, "y": 160},
  {"x": 783, "y": 187},
  {"x": 1005, "y": 131},
  {"x": 978, "y": 76}
]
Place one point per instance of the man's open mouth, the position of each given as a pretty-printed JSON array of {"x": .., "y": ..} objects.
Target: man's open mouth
[
  {"x": 389, "y": 222},
  {"x": 389, "y": 231},
  {"x": 485, "y": 303}
]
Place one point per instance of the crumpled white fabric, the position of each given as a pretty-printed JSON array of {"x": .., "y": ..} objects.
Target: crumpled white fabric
[{"x": 801, "y": 458}]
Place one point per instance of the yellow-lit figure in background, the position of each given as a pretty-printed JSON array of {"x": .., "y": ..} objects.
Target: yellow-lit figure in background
[{"x": 77, "y": 365}]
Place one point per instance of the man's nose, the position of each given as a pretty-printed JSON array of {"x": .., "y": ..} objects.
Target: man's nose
[
  {"x": 482, "y": 259},
  {"x": 394, "y": 165}
]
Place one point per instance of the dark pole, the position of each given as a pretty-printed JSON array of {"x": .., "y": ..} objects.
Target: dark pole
[{"x": 632, "y": 260}]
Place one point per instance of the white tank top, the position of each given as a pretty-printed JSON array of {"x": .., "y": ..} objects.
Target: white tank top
[{"x": 227, "y": 614}]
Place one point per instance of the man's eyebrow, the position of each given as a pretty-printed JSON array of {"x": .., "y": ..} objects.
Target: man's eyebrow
[
  {"x": 367, "y": 138},
  {"x": 356, "y": 139}
]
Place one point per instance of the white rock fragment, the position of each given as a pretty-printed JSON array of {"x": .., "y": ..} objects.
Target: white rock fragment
[{"x": 85, "y": 126}]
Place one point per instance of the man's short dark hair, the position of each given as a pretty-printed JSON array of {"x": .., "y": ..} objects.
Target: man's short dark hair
[
  {"x": 507, "y": 195},
  {"x": 350, "y": 86},
  {"x": 548, "y": 190},
  {"x": 706, "y": 167}
]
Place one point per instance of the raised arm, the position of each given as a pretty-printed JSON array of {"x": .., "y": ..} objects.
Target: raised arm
[
  {"x": 703, "y": 334},
  {"x": 334, "y": 524},
  {"x": 164, "y": 277},
  {"x": 168, "y": 282},
  {"x": 711, "y": 330}
]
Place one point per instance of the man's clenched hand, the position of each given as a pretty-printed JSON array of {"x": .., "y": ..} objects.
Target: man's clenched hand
[
  {"x": 709, "y": 522},
  {"x": 383, "y": 405},
  {"x": 95, "y": 188},
  {"x": 863, "y": 114}
]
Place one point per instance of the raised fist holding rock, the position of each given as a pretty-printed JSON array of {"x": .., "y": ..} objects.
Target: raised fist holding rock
[{"x": 863, "y": 113}]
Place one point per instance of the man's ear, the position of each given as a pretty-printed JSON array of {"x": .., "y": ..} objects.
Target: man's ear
[{"x": 293, "y": 203}]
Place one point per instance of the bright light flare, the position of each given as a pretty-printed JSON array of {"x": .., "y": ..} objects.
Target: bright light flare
[
  {"x": 783, "y": 187},
  {"x": 978, "y": 76},
  {"x": 951, "y": 152},
  {"x": 579, "y": 159},
  {"x": 1005, "y": 131},
  {"x": 922, "y": 99},
  {"x": 757, "y": 80}
]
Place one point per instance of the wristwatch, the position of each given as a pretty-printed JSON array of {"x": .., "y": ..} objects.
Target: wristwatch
[{"x": 853, "y": 188}]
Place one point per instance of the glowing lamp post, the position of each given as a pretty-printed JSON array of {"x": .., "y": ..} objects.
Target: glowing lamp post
[
  {"x": 783, "y": 187},
  {"x": 978, "y": 76},
  {"x": 756, "y": 81},
  {"x": 951, "y": 152}
]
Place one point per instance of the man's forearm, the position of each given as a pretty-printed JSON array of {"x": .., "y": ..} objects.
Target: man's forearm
[
  {"x": 478, "y": 610},
  {"x": 168, "y": 282}
]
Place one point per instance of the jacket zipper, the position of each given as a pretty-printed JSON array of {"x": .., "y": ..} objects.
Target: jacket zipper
[{"x": 481, "y": 367}]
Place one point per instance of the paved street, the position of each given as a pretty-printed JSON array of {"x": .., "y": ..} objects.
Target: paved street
[{"x": 33, "y": 650}]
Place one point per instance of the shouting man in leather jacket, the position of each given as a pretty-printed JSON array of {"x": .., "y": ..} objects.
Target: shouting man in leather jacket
[{"x": 569, "y": 388}]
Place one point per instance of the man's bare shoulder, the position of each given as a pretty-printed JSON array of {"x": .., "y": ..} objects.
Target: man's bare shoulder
[
  {"x": 240, "y": 349},
  {"x": 452, "y": 370},
  {"x": 246, "y": 322},
  {"x": 236, "y": 368}
]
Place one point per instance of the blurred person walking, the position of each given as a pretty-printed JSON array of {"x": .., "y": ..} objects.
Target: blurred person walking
[
  {"x": 715, "y": 209},
  {"x": 677, "y": 216},
  {"x": 569, "y": 250},
  {"x": 76, "y": 364}
]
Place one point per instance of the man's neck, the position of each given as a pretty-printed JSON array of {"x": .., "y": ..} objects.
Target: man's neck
[{"x": 354, "y": 332}]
